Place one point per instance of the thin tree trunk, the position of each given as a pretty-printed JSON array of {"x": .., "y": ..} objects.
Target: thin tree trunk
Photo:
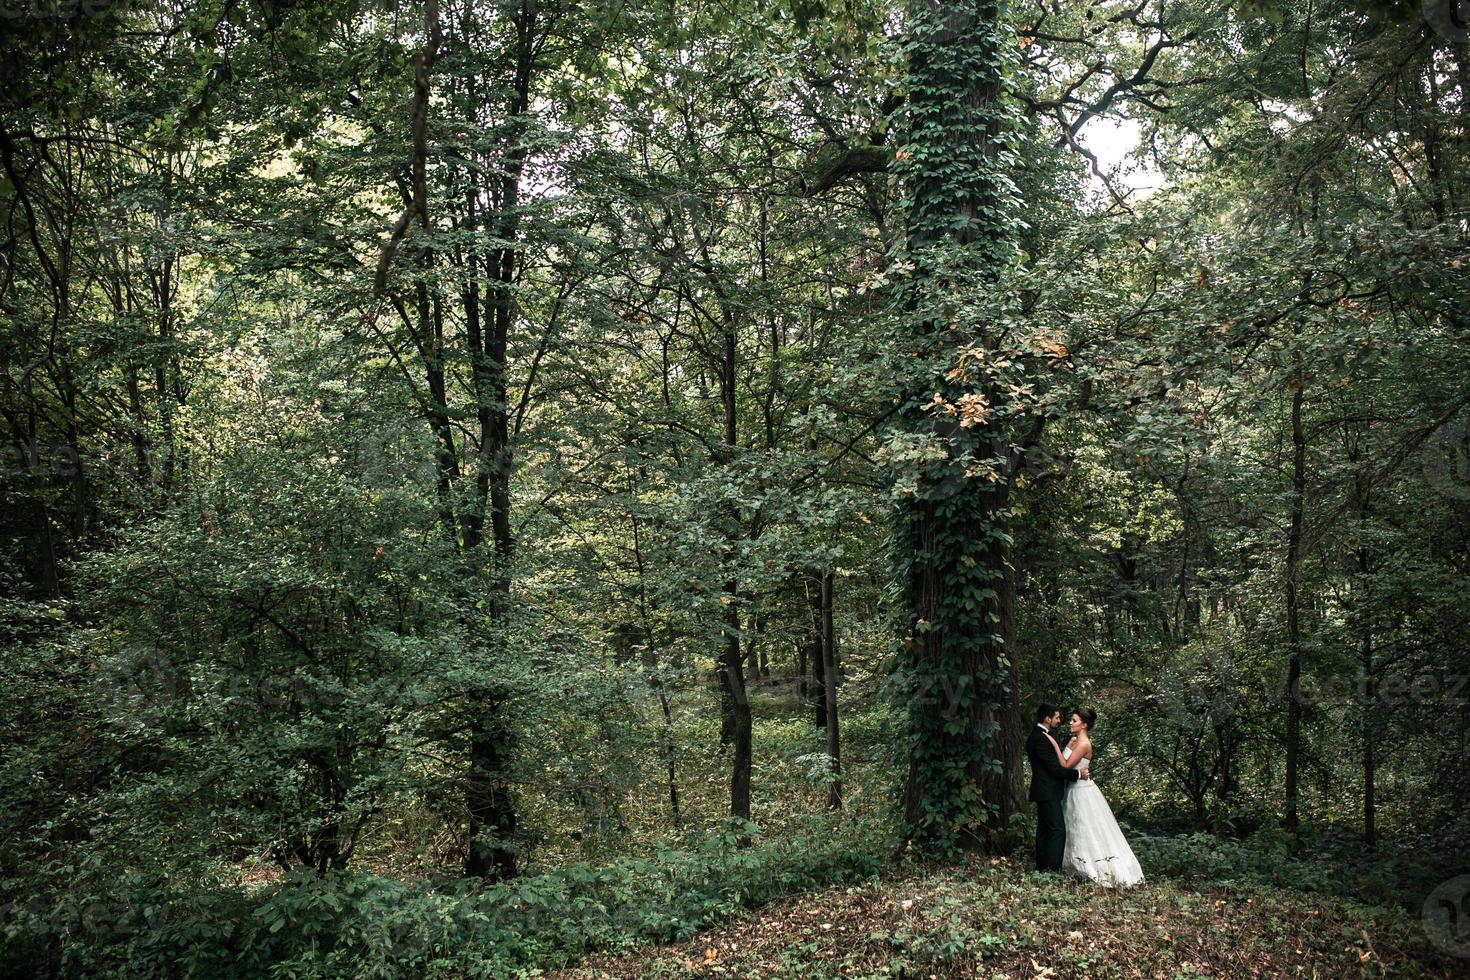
[
  {"x": 829, "y": 673},
  {"x": 488, "y": 340},
  {"x": 801, "y": 676},
  {"x": 734, "y": 704},
  {"x": 650, "y": 657},
  {"x": 735, "y": 707},
  {"x": 816, "y": 655},
  {"x": 1362, "y": 613},
  {"x": 753, "y": 647},
  {"x": 668, "y": 753},
  {"x": 1293, "y": 573},
  {"x": 1370, "y": 822},
  {"x": 1225, "y": 742}
]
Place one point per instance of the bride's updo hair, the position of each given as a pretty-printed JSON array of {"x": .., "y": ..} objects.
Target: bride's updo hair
[{"x": 1088, "y": 716}]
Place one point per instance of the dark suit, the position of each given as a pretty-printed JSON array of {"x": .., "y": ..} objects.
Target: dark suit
[{"x": 1049, "y": 779}]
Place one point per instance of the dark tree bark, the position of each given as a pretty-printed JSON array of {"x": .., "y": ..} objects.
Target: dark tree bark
[
  {"x": 1225, "y": 739},
  {"x": 829, "y": 673},
  {"x": 1293, "y": 575},
  {"x": 492, "y": 817},
  {"x": 1370, "y": 727},
  {"x": 816, "y": 652},
  {"x": 491, "y": 805},
  {"x": 802, "y": 683},
  {"x": 734, "y": 701},
  {"x": 1363, "y": 623},
  {"x": 668, "y": 753},
  {"x": 735, "y": 708}
]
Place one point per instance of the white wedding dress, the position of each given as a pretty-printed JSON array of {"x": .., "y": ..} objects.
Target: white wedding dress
[{"x": 1096, "y": 848}]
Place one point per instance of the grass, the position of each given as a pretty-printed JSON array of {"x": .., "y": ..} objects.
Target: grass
[{"x": 991, "y": 917}]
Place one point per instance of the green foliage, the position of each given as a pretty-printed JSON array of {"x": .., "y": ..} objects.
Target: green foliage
[
  {"x": 347, "y": 924},
  {"x": 1330, "y": 862},
  {"x": 281, "y": 661},
  {"x": 698, "y": 293}
]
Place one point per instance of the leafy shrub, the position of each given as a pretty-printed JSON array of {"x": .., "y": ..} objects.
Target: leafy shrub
[
  {"x": 343, "y": 924},
  {"x": 1330, "y": 862}
]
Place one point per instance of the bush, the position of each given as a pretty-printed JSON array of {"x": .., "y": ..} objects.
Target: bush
[
  {"x": 1331, "y": 862},
  {"x": 343, "y": 924}
]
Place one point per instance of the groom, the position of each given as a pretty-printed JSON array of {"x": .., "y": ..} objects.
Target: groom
[{"x": 1049, "y": 780}]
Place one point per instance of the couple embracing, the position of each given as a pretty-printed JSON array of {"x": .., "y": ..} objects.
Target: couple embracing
[{"x": 1075, "y": 828}]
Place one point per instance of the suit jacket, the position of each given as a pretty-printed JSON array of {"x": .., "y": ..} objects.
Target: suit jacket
[{"x": 1049, "y": 778}]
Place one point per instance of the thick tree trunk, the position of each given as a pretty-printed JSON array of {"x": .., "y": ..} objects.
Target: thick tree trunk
[
  {"x": 964, "y": 730},
  {"x": 492, "y": 818},
  {"x": 965, "y": 691},
  {"x": 735, "y": 708}
]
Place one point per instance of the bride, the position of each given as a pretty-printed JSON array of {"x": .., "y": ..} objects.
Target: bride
[{"x": 1096, "y": 847}]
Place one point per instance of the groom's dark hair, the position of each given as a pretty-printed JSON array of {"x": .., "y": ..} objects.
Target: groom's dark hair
[{"x": 1045, "y": 711}]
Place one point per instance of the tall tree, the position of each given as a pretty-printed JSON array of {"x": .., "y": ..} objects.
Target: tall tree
[{"x": 961, "y": 429}]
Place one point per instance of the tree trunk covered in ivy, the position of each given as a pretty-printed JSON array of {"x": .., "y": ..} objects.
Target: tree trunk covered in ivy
[{"x": 952, "y": 520}]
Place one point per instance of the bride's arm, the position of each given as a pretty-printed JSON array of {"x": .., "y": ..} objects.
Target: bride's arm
[{"x": 1061, "y": 759}]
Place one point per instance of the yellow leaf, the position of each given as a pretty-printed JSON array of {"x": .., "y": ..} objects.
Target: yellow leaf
[{"x": 973, "y": 409}]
